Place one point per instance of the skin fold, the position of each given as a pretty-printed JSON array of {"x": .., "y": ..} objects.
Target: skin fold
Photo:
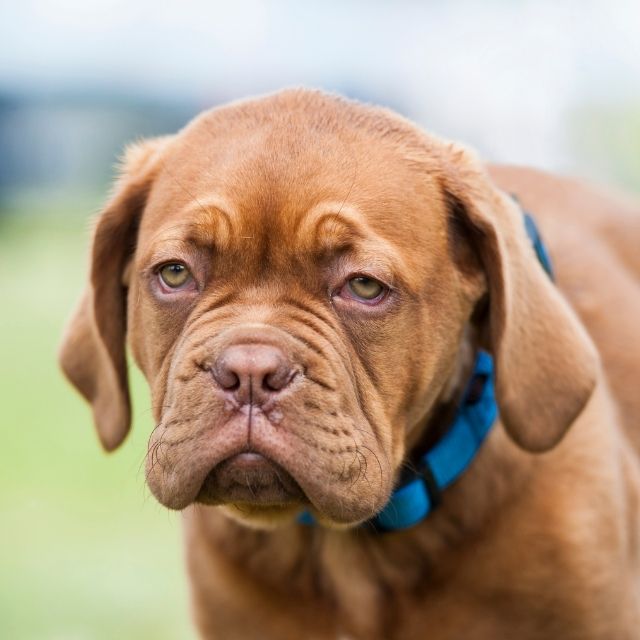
[{"x": 338, "y": 268}]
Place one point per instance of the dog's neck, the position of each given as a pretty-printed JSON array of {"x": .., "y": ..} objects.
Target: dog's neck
[
  {"x": 440, "y": 415},
  {"x": 445, "y": 453},
  {"x": 358, "y": 574}
]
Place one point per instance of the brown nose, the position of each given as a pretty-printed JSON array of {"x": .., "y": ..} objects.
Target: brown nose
[{"x": 252, "y": 373}]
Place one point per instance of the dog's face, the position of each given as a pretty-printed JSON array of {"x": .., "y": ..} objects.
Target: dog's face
[
  {"x": 297, "y": 274},
  {"x": 313, "y": 319}
]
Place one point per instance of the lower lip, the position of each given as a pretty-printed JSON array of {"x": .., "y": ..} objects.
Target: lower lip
[
  {"x": 249, "y": 478},
  {"x": 248, "y": 459}
]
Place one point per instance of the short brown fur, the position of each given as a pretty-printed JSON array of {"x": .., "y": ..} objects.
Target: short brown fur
[{"x": 273, "y": 203}]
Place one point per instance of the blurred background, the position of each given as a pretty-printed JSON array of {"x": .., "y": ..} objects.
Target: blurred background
[{"x": 85, "y": 552}]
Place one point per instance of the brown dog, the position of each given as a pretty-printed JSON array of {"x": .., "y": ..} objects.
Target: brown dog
[{"x": 304, "y": 282}]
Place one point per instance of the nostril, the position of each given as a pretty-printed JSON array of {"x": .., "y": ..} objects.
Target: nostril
[
  {"x": 278, "y": 379},
  {"x": 233, "y": 384},
  {"x": 225, "y": 376}
]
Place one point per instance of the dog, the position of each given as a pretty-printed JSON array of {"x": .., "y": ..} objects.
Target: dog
[{"x": 309, "y": 285}]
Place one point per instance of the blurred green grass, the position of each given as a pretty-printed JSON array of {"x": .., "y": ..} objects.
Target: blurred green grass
[
  {"x": 85, "y": 552},
  {"x": 608, "y": 137}
]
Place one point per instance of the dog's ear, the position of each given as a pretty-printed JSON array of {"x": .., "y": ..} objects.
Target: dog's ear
[
  {"x": 546, "y": 364},
  {"x": 92, "y": 353}
]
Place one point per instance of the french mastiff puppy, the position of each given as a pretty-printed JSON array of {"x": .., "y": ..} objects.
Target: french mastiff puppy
[{"x": 305, "y": 283}]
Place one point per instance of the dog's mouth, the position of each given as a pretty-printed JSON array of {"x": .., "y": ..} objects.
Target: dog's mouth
[
  {"x": 273, "y": 471},
  {"x": 250, "y": 478}
]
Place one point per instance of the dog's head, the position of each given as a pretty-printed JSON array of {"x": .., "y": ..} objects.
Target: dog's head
[{"x": 296, "y": 276}]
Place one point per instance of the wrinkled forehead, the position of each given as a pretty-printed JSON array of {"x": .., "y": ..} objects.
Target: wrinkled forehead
[{"x": 289, "y": 184}]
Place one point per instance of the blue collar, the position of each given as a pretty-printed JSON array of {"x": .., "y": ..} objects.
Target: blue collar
[
  {"x": 415, "y": 498},
  {"x": 442, "y": 465},
  {"x": 449, "y": 458}
]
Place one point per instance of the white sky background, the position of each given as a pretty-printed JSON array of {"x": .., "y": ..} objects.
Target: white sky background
[{"x": 501, "y": 75}]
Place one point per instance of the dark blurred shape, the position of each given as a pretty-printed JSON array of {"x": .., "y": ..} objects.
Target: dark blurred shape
[{"x": 69, "y": 142}]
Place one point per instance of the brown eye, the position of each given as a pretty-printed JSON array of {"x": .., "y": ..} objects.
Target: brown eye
[
  {"x": 365, "y": 288},
  {"x": 175, "y": 275}
]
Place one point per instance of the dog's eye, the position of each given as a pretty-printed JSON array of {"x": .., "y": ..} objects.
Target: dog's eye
[
  {"x": 365, "y": 288},
  {"x": 175, "y": 275}
]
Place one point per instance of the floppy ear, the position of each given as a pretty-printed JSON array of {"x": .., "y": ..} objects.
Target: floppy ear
[
  {"x": 92, "y": 353},
  {"x": 546, "y": 364}
]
